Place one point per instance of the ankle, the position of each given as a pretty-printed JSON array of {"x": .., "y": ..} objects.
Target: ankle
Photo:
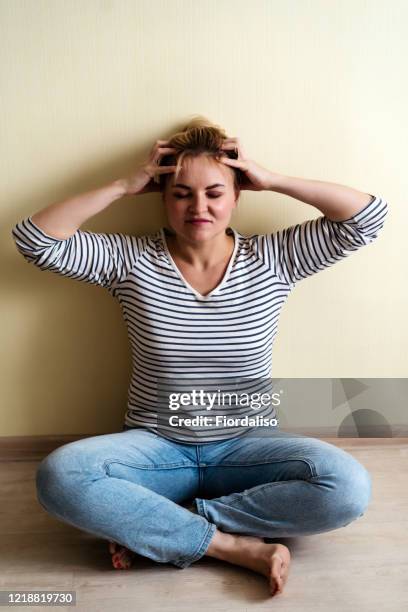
[{"x": 221, "y": 545}]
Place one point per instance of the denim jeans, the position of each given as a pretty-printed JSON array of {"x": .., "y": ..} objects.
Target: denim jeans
[{"x": 129, "y": 487}]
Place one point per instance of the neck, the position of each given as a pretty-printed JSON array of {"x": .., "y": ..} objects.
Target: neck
[{"x": 201, "y": 255}]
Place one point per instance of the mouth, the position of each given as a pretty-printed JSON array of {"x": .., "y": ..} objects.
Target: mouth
[{"x": 198, "y": 221}]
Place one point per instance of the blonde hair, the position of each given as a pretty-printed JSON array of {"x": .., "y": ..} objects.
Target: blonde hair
[{"x": 200, "y": 137}]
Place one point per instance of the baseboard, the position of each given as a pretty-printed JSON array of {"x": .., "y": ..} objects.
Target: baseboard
[{"x": 35, "y": 448}]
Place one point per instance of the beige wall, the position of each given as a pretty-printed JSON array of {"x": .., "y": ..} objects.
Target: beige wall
[{"x": 314, "y": 89}]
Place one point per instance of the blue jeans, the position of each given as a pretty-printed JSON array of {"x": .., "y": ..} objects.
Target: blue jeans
[{"x": 130, "y": 486}]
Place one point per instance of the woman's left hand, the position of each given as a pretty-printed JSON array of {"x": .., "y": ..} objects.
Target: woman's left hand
[{"x": 255, "y": 178}]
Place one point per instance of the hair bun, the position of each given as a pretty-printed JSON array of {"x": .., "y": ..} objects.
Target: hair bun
[
  {"x": 199, "y": 136},
  {"x": 199, "y": 121}
]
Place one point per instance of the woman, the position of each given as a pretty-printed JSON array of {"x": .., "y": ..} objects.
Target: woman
[{"x": 201, "y": 300}]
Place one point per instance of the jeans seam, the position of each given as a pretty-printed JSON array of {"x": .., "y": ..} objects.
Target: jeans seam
[
  {"x": 234, "y": 497},
  {"x": 182, "y": 563},
  {"x": 250, "y": 464},
  {"x": 201, "y": 507},
  {"x": 159, "y": 466}
]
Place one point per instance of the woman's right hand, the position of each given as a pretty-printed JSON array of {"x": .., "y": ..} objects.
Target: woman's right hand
[{"x": 142, "y": 180}]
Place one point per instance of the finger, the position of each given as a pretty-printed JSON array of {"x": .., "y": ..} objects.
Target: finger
[
  {"x": 158, "y": 153},
  {"x": 235, "y": 140},
  {"x": 234, "y": 146},
  {"x": 159, "y": 144},
  {"x": 164, "y": 169},
  {"x": 157, "y": 156},
  {"x": 229, "y": 145},
  {"x": 233, "y": 162}
]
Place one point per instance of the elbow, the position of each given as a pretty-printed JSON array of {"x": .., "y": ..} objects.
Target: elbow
[
  {"x": 382, "y": 215},
  {"x": 372, "y": 228},
  {"x": 19, "y": 242},
  {"x": 34, "y": 249}
]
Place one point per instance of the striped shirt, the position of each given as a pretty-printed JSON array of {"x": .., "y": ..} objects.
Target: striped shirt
[{"x": 178, "y": 336}]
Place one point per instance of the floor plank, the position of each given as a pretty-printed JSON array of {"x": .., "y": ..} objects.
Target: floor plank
[{"x": 363, "y": 566}]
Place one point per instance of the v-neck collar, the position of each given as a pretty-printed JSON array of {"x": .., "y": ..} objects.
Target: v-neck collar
[{"x": 179, "y": 274}]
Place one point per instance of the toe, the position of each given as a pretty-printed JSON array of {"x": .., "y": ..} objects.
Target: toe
[
  {"x": 122, "y": 557},
  {"x": 277, "y": 573},
  {"x": 112, "y": 547},
  {"x": 284, "y": 576}
]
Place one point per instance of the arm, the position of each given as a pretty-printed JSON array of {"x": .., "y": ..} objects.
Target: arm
[
  {"x": 61, "y": 220},
  {"x": 351, "y": 219},
  {"x": 51, "y": 241},
  {"x": 304, "y": 249},
  {"x": 336, "y": 202}
]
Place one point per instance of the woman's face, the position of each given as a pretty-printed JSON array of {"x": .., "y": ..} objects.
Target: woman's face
[{"x": 204, "y": 190}]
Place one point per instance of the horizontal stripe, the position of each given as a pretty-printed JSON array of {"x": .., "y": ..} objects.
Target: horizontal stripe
[{"x": 179, "y": 336}]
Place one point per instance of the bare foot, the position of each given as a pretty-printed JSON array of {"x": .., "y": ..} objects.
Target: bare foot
[
  {"x": 271, "y": 560},
  {"x": 122, "y": 557}
]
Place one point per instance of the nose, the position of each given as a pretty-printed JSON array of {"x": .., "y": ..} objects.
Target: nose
[{"x": 198, "y": 204}]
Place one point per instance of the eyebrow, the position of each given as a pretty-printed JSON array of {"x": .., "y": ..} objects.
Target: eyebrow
[{"x": 209, "y": 186}]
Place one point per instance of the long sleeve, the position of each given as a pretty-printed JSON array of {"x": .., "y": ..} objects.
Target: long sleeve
[
  {"x": 302, "y": 250},
  {"x": 101, "y": 259}
]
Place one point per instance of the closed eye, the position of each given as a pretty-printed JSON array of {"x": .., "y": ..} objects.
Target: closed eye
[{"x": 181, "y": 196}]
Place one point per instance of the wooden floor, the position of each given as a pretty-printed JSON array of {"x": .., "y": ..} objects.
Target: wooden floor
[{"x": 362, "y": 567}]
